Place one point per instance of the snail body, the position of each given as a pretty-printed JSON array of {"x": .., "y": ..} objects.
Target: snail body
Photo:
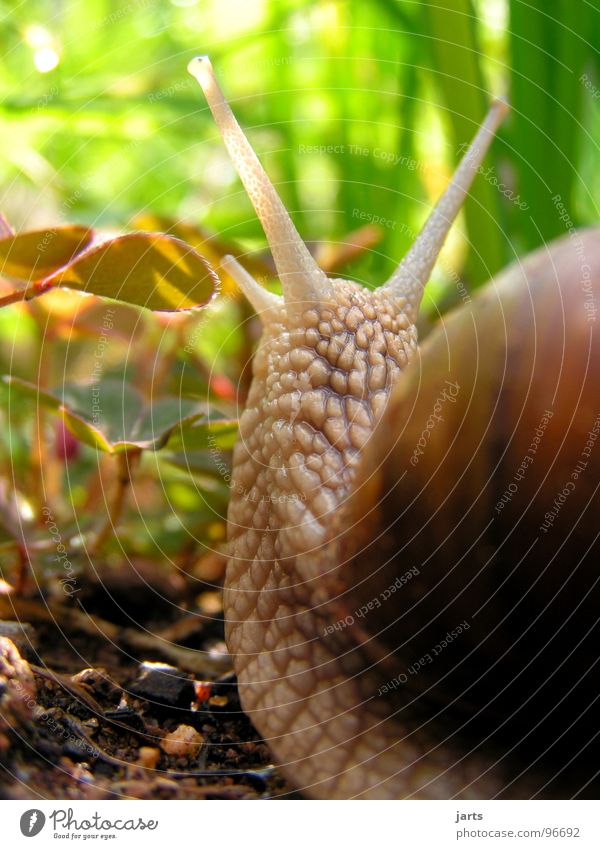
[{"x": 317, "y": 644}]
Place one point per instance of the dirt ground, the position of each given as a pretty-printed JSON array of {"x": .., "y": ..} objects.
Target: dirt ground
[{"x": 125, "y": 691}]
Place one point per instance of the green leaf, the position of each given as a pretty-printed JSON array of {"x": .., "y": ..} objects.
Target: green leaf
[
  {"x": 150, "y": 270},
  {"x": 38, "y": 253},
  {"x": 113, "y": 417},
  {"x": 199, "y": 434},
  {"x": 202, "y": 463}
]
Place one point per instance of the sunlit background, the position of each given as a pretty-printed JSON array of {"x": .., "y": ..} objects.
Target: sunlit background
[
  {"x": 358, "y": 110},
  {"x": 100, "y": 120},
  {"x": 117, "y": 423}
]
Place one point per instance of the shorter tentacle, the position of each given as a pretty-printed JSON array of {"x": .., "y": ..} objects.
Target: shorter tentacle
[{"x": 266, "y": 303}]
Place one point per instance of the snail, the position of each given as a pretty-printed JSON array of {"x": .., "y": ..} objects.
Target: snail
[{"x": 371, "y": 585}]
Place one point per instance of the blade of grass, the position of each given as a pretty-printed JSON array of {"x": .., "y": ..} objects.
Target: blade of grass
[
  {"x": 548, "y": 56},
  {"x": 454, "y": 54}
]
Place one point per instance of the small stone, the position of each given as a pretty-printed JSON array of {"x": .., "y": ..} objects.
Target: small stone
[
  {"x": 210, "y": 567},
  {"x": 210, "y": 603},
  {"x": 184, "y": 742},
  {"x": 163, "y": 685},
  {"x": 22, "y": 635},
  {"x": 17, "y": 687},
  {"x": 148, "y": 756},
  {"x": 203, "y": 690},
  {"x": 99, "y": 682}
]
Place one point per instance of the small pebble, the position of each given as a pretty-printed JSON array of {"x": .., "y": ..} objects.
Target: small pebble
[
  {"x": 203, "y": 690},
  {"x": 22, "y": 635},
  {"x": 210, "y": 603},
  {"x": 185, "y": 741},
  {"x": 17, "y": 687},
  {"x": 148, "y": 757},
  {"x": 164, "y": 685}
]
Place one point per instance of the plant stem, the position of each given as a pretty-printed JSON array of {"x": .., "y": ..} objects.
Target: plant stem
[
  {"x": 126, "y": 462},
  {"x": 46, "y": 470},
  {"x": 19, "y": 295}
]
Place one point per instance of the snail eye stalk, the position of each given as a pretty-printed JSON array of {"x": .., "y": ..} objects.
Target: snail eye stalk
[
  {"x": 412, "y": 274},
  {"x": 303, "y": 282}
]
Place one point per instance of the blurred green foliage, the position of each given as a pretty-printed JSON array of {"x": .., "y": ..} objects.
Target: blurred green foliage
[
  {"x": 358, "y": 111},
  {"x": 390, "y": 89}
]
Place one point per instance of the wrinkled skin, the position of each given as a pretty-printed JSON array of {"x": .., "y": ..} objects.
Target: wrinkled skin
[{"x": 320, "y": 385}]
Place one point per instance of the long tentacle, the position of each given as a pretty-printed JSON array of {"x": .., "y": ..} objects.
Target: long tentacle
[
  {"x": 412, "y": 274},
  {"x": 302, "y": 280}
]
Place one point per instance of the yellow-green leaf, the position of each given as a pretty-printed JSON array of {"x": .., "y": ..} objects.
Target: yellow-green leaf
[
  {"x": 150, "y": 270},
  {"x": 39, "y": 253}
]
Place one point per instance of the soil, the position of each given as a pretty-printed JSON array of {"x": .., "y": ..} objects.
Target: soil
[{"x": 109, "y": 695}]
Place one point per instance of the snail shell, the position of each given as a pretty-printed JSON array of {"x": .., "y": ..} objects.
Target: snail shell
[{"x": 484, "y": 476}]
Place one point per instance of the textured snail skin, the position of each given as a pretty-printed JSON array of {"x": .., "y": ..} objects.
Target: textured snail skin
[{"x": 320, "y": 384}]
